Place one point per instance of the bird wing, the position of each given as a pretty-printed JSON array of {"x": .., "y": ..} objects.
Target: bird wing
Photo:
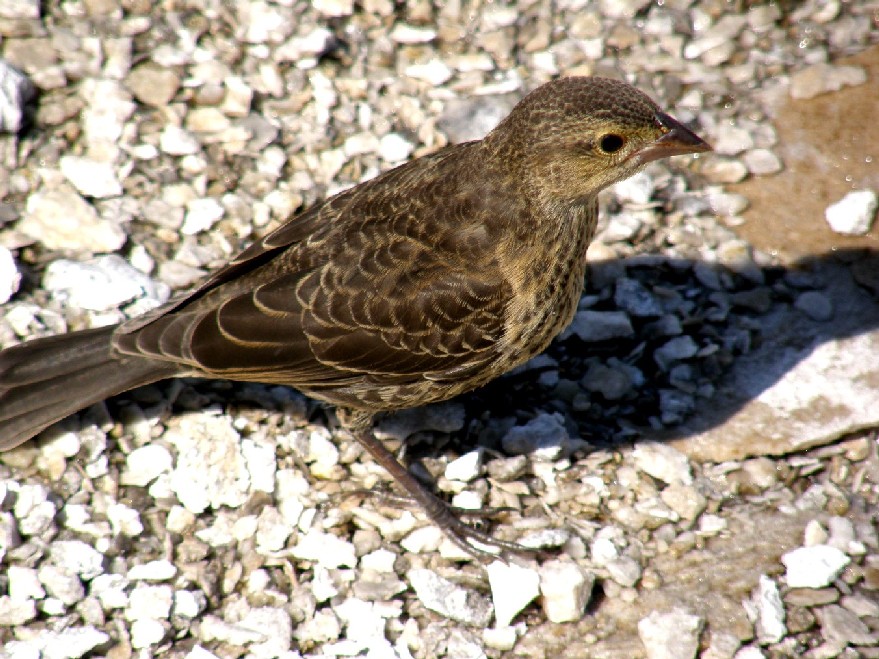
[{"x": 359, "y": 289}]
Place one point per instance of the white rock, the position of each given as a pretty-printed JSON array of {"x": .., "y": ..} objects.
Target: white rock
[
  {"x": 124, "y": 520},
  {"x": 325, "y": 549},
  {"x": 360, "y": 143},
  {"x": 276, "y": 628},
  {"x": 380, "y": 560},
  {"x": 102, "y": 284},
  {"x": 188, "y": 604},
  {"x": 393, "y": 147},
  {"x": 261, "y": 464},
  {"x": 448, "y": 599},
  {"x": 813, "y": 567},
  {"x": 238, "y": 98},
  {"x": 853, "y": 214},
  {"x": 711, "y": 524},
  {"x": 545, "y": 538},
  {"x": 365, "y": 623},
  {"x": 262, "y": 22},
  {"x": 24, "y": 584},
  {"x": 815, "y": 534},
  {"x": 176, "y": 141},
  {"x": 201, "y": 214},
  {"x": 622, "y": 227},
  {"x": 68, "y": 643},
  {"x": 91, "y": 178},
  {"x": 434, "y": 72},
  {"x": 423, "y": 540},
  {"x": 179, "y": 520},
  {"x": 322, "y": 627},
  {"x": 732, "y": 140},
  {"x": 210, "y": 471},
  {"x": 149, "y": 602},
  {"x": 144, "y": 464},
  {"x": 292, "y": 488},
  {"x": 14, "y": 612},
  {"x": 10, "y": 277},
  {"x": 198, "y": 652},
  {"x": 770, "y": 620},
  {"x": 503, "y": 638},
  {"x": 20, "y": 9},
  {"x": 723, "y": 645},
  {"x": 566, "y": 589},
  {"x": 272, "y": 530},
  {"x": 110, "y": 590},
  {"x": 62, "y": 220},
  {"x": 60, "y": 584},
  {"x": 513, "y": 587},
  {"x": 159, "y": 570},
  {"x": 146, "y": 632},
  {"x": 16, "y": 91},
  {"x": 762, "y": 162},
  {"x": 465, "y": 468},
  {"x": 321, "y": 452},
  {"x": 334, "y": 8},
  {"x": 726, "y": 204},
  {"x": 214, "y": 628},
  {"x": 410, "y": 34},
  {"x": 308, "y": 47},
  {"x": 672, "y": 635},
  {"x": 77, "y": 557},
  {"x": 663, "y": 462},
  {"x": 108, "y": 107},
  {"x": 35, "y": 513},
  {"x": 624, "y": 570}
]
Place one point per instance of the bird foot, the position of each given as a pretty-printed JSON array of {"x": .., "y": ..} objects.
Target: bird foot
[{"x": 469, "y": 539}]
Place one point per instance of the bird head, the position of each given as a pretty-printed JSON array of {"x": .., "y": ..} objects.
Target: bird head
[{"x": 571, "y": 138}]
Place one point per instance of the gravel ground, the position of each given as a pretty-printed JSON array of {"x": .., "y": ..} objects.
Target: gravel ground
[{"x": 206, "y": 519}]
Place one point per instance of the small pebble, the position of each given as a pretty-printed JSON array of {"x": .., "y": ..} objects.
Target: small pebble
[
  {"x": 853, "y": 215},
  {"x": 513, "y": 587},
  {"x": 565, "y": 588},
  {"x": 770, "y": 620},
  {"x": 544, "y": 436},
  {"x": 450, "y": 600},
  {"x": 815, "y": 305},
  {"x": 663, "y": 462},
  {"x": 92, "y": 178},
  {"x": 672, "y": 635},
  {"x": 16, "y": 92},
  {"x": 813, "y": 567}
]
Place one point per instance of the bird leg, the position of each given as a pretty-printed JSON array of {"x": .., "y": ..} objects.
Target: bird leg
[{"x": 459, "y": 532}]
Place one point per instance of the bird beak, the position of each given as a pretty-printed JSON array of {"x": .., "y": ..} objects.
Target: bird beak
[{"x": 676, "y": 140}]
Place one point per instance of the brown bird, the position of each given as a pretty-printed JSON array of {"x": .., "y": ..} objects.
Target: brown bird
[{"x": 420, "y": 284}]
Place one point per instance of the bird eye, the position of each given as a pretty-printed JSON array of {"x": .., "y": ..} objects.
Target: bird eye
[{"x": 611, "y": 143}]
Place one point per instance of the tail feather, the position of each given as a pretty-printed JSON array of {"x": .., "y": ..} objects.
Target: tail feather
[{"x": 46, "y": 380}]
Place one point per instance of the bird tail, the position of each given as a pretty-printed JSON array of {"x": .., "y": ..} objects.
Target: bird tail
[{"x": 46, "y": 380}]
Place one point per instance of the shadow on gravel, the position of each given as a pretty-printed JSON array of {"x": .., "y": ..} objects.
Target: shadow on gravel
[{"x": 722, "y": 338}]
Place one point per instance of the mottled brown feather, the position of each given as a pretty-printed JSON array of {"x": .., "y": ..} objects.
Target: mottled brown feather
[{"x": 428, "y": 280}]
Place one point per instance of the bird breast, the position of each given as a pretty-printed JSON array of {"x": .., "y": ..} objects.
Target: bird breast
[{"x": 548, "y": 279}]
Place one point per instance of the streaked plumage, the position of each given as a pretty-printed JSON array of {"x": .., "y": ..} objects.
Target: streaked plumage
[{"x": 425, "y": 282}]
